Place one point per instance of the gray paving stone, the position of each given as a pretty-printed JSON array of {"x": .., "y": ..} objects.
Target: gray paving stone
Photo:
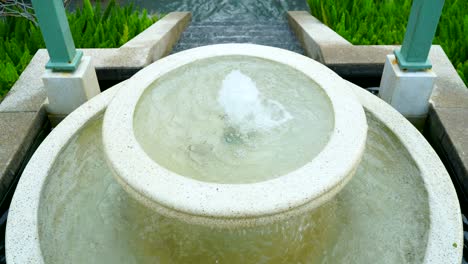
[
  {"x": 27, "y": 94},
  {"x": 449, "y": 90},
  {"x": 447, "y": 130},
  {"x": 271, "y": 33},
  {"x": 19, "y": 129}
]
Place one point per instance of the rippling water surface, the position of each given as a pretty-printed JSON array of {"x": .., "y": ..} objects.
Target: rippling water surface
[
  {"x": 226, "y": 119},
  {"x": 381, "y": 216},
  {"x": 222, "y": 10}
]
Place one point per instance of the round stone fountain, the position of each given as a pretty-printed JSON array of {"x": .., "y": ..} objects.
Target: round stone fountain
[{"x": 235, "y": 153}]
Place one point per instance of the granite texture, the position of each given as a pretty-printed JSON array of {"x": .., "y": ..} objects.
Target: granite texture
[
  {"x": 18, "y": 131},
  {"x": 22, "y": 111},
  {"x": 444, "y": 232},
  {"x": 232, "y": 205},
  {"x": 447, "y": 123},
  {"x": 446, "y": 129},
  {"x": 269, "y": 33},
  {"x": 313, "y": 34},
  {"x": 28, "y": 93}
]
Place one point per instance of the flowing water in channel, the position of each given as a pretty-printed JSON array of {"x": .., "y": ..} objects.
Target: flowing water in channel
[
  {"x": 220, "y": 10},
  {"x": 381, "y": 216}
]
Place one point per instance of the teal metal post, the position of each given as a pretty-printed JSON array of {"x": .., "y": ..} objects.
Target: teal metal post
[
  {"x": 420, "y": 31},
  {"x": 57, "y": 36}
]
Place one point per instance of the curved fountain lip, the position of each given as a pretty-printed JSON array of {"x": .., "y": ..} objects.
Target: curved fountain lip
[
  {"x": 22, "y": 237},
  {"x": 175, "y": 195}
]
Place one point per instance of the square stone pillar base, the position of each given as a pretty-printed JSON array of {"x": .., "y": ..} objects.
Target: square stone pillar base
[
  {"x": 408, "y": 92},
  {"x": 66, "y": 91}
]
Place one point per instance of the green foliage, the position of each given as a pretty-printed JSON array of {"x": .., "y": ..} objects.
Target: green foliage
[
  {"x": 91, "y": 27},
  {"x": 8, "y": 74},
  {"x": 452, "y": 35},
  {"x": 383, "y": 22}
]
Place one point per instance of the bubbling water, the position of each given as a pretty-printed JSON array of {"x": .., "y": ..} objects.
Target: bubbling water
[
  {"x": 233, "y": 120},
  {"x": 381, "y": 216},
  {"x": 245, "y": 107}
]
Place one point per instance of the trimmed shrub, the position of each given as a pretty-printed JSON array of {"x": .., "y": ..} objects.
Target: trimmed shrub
[
  {"x": 91, "y": 27},
  {"x": 369, "y": 22}
]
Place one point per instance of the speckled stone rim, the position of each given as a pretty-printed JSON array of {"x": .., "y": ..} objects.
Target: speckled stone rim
[
  {"x": 216, "y": 204},
  {"x": 22, "y": 239}
]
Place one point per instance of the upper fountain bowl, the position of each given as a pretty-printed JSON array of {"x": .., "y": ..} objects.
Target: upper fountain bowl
[{"x": 234, "y": 134}]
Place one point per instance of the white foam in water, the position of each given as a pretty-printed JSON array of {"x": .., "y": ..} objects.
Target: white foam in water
[
  {"x": 236, "y": 120},
  {"x": 246, "y": 108},
  {"x": 381, "y": 216}
]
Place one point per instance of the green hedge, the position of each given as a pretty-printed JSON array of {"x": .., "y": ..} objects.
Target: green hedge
[
  {"x": 91, "y": 27},
  {"x": 366, "y": 22}
]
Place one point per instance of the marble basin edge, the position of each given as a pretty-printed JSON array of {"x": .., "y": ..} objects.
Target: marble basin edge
[
  {"x": 242, "y": 204},
  {"x": 445, "y": 238}
]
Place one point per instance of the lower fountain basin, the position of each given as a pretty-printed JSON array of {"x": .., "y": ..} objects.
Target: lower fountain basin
[
  {"x": 240, "y": 142},
  {"x": 400, "y": 207},
  {"x": 234, "y": 135}
]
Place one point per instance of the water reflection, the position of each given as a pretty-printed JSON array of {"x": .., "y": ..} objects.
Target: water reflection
[{"x": 222, "y": 10}]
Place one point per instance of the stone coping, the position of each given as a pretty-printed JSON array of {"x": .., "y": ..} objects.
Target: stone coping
[
  {"x": 18, "y": 132},
  {"x": 235, "y": 204},
  {"x": 448, "y": 120},
  {"x": 28, "y": 93},
  {"x": 445, "y": 231},
  {"x": 22, "y": 112},
  {"x": 22, "y": 109}
]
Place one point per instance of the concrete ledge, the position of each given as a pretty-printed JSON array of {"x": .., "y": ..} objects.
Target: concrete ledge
[
  {"x": 313, "y": 34},
  {"x": 447, "y": 124},
  {"x": 357, "y": 62},
  {"x": 161, "y": 37},
  {"x": 449, "y": 90},
  {"x": 446, "y": 129},
  {"x": 17, "y": 133},
  {"x": 155, "y": 42},
  {"x": 28, "y": 94},
  {"x": 363, "y": 54},
  {"x": 22, "y": 114}
]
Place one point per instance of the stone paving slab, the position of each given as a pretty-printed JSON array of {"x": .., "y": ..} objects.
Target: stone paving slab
[
  {"x": 313, "y": 34},
  {"x": 155, "y": 42},
  {"x": 448, "y": 117},
  {"x": 160, "y": 38},
  {"x": 22, "y": 111},
  {"x": 27, "y": 94},
  {"x": 447, "y": 123},
  {"x": 450, "y": 91},
  {"x": 18, "y": 131},
  {"x": 447, "y": 131},
  {"x": 356, "y": 54},
  {"x": 271, "y": 33}
]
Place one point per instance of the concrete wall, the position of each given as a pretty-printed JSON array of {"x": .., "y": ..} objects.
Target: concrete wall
[
  {"x": 23, "y": 120},
  {"x": 446, "y": 127}
]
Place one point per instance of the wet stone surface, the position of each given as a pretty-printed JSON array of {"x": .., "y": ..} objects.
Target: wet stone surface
[
  {"x": 209, "y": 10},
  {"x": 269, "y": 33}
]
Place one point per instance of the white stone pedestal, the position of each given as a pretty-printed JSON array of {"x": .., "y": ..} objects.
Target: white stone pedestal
[
  {"x": 66, "y": 91},
  {"x": 408, "y": 92}
]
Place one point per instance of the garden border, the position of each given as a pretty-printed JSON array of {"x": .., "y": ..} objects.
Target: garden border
[
  {"x": 22, "y": 114},
  {"x": 446, "y": 126},
  {"x": 22, "y": 111}
]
